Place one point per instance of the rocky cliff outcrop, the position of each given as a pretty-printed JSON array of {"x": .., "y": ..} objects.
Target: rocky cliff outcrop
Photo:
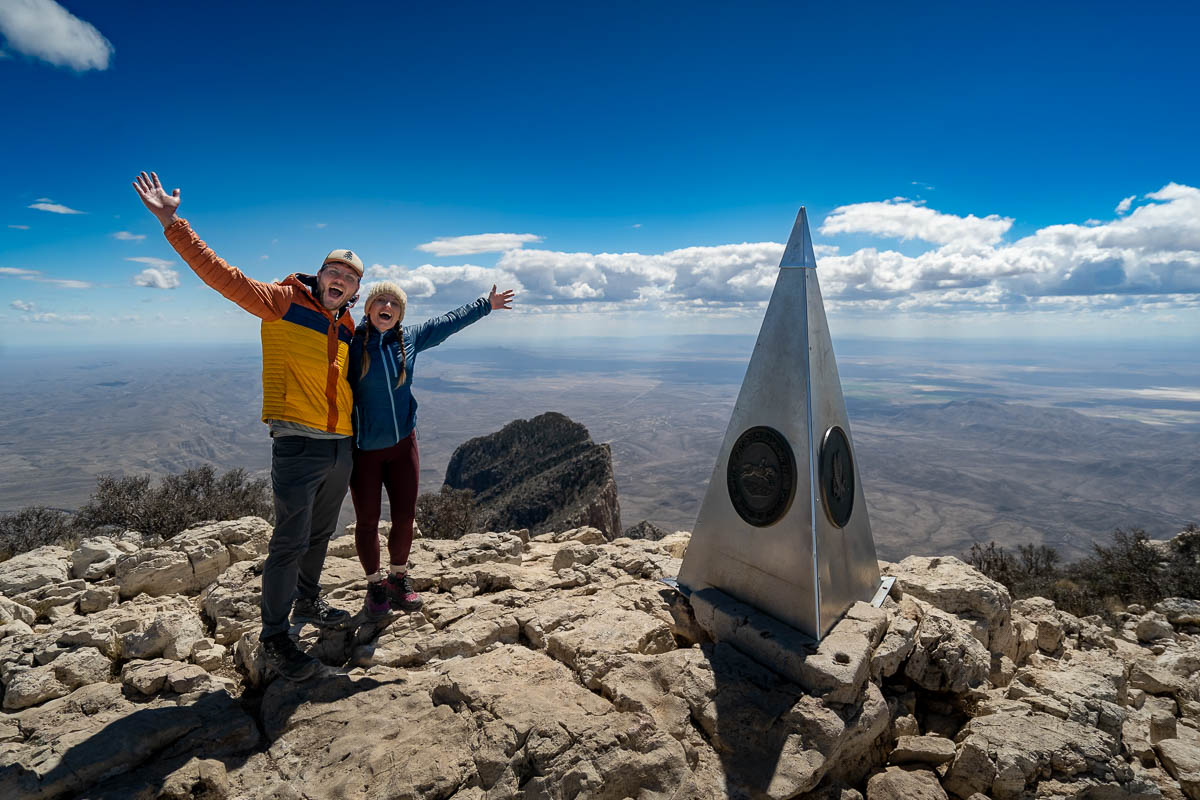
[
  {"x": 543, "y": 474},
  {"x": 557, "y": 665}
]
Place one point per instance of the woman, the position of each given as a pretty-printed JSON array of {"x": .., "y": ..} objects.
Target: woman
[{"x": 382, "y": 357}]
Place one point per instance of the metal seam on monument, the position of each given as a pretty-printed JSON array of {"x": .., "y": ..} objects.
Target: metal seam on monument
[{"x": 812, "y": 467}]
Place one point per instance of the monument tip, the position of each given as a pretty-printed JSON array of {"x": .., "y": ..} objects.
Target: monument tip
[{"x": 799, "y": 249}]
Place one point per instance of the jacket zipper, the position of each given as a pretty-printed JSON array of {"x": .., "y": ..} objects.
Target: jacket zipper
[{"x": 388, "y": 386}]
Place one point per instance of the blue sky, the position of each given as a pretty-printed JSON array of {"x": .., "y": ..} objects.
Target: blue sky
[{"x": 633, "y": 168}]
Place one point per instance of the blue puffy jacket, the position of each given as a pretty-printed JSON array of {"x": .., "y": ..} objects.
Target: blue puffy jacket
[{"x": 384, "y": 414}]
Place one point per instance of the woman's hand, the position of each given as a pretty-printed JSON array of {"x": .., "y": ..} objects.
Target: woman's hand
[
  {"x": 498, "y": 301},
  {"x": 161, "y": 204}
]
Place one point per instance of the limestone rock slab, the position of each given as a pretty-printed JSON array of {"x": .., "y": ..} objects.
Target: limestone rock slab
[
  {"x": 1180, "y": 611},
  {"x": 945, "y": 657},
  {"x": 922, "y": 750},
  {"x": 1181, "y": 759},
  {"x": 1154, "y": 626},
  {"x": 1005, "y": 754},
  {"x": 154, "y": 573},
  {"x": 96, "y": 557},
  {"x": 957, "y": 588},
  {"x": 34, "y": 568},
  {"x": 73, "y": 742},
  {"x": 902, "y": 784}
]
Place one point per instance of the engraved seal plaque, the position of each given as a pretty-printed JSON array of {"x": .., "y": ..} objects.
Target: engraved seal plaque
[
  {"x": 837, "y": 476},
  {"x": 761, "y": 475}
]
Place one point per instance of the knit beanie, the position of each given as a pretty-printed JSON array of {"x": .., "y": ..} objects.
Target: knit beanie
[{"x": 386, "y": 287}]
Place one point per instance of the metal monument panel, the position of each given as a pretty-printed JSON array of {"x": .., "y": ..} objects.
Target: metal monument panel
[{"x": 783, "y": 525}]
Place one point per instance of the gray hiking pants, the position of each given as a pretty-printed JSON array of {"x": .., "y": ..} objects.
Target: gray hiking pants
[{"x": 309, "y": 477}]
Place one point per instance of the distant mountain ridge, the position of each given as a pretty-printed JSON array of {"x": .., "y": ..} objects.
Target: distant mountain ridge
[{"x": 543, "y": 474}]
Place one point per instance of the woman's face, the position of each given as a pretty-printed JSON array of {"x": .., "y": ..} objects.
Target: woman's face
[{"x": 384, "y": 312}]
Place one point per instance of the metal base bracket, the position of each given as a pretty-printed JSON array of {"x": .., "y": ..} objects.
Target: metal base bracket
[{"x": 885, "y": 586}]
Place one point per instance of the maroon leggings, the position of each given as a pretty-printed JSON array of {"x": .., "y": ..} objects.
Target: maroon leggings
[{"x": 395, "y": 468}]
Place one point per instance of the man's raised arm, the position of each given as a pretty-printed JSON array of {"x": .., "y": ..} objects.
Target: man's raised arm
[{"x": 265, "y": 300}]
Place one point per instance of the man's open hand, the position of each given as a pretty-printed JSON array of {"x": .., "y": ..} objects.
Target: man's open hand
[{"x": 161, "y": 204}]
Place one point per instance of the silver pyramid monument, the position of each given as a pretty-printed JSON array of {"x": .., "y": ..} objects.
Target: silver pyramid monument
[{"x": 783, "y": 526}]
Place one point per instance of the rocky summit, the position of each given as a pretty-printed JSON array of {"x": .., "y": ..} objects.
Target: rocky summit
[
  {"x": 544, "y": 474},
  {"x": 557, "y": 665}
]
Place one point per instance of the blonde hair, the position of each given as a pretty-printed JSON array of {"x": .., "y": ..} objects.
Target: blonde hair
[{"x": 373, "y": 293}]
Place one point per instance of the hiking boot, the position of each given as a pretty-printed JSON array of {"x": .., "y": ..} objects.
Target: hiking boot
[
  {"x": 318, "y": 612},
  {"x": 400, "y": 592},
  {"x": 376, "y": 606},
  {"x": 282, "y": 655}
]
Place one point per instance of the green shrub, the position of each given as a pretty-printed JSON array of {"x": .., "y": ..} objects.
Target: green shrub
[
  {"x": 1132, "y": 569},
  {"x": 34, "y": 527},
  {"x": 1183, "y": 570},
  {"x": 177, "y": 503},
  {"x": 448, "y": 514}
]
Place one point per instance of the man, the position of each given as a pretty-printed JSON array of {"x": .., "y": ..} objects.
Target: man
[{"x": 306, "y": 332}]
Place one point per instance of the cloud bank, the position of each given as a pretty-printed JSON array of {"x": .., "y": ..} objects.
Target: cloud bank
[
  {"x": 477, "y": 243},
  {"x": 1147, "y": 256},
  {"x": 44, "y": 30}
]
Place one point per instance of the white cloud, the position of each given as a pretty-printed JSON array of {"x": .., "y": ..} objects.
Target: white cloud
[
  {"x": 66, "y": 283},
  {"x": 151, "y": 261},
  {"x": 45, "y": 30},
  {"x": 36, "y": 275},
  {"x": 1148, "y": 259},
  {"x": 19, "y": 227},
  {"x": 126, "y": 236},
  {"x": 1124, "y": 205},
  {"x": 477, "y": 243},
  {"x": 427, "y": 280},
  {"x": 1154, "y": 251},
  {"x": 157, "y": 278},
  {"x": 50, "y": 316},
  {"x": 45, "y": 204},
  {"x": 906, "y": 219},
  {"x": 321, "y": 224},
  {"x": 21, "y": 305}
]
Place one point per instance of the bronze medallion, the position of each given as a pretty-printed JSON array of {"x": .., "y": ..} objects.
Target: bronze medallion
[
  {"x": 837, "y": 477},
  {"x": 761, "y": 476}
]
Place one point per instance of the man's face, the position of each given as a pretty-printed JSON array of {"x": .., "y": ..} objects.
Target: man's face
[{"x": 336, "y": 283}]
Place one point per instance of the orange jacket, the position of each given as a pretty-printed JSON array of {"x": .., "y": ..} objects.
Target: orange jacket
[{"x": 305, "y": 348}]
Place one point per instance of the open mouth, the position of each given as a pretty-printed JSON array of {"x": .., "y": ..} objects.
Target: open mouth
[
  {"x": 335, "y": 293},
  {"x": 386, "y": 316}
]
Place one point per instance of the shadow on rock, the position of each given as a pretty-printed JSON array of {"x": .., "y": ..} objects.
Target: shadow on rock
[
  {"x": 105, "y": 739},
  {"x": 282, "y": 699},
  {"x": 779, "y": 736},
  {"x": 107, "y": 734}
]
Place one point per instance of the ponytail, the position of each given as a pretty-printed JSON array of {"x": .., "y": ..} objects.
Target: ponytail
[
  {"x": 403, "y": 359},
  {"x": 366, "y": 356}
]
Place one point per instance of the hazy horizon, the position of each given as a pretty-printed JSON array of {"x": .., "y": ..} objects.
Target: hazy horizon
[{"x": 957, "y": 441}]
